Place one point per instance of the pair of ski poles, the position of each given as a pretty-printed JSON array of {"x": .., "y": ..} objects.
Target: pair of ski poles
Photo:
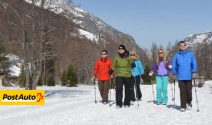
[
  {"x": 94, "y": 82},
  {"x": 173, "y": 98},
  {"x": 136, "y": 89},
  {"x": 173, "y": 94},
  {"x": 153, "y": 93}
]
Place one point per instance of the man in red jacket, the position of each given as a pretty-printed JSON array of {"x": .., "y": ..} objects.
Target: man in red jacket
[{"x": 102, "y": 71}]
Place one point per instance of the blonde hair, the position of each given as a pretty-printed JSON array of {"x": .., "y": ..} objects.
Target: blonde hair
[{"x": 161, "y": 59}]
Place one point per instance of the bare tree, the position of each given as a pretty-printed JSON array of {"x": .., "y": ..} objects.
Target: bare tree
[
  {"x": 154, "y": 50},
  {"x": 18, "y": 10}
]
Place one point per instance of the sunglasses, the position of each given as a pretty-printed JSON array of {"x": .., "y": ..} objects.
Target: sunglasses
[
  {"x": 132, "y": 54},
  {"x": 160, "y": 52},
  {"x": 103, "y": 53},
  {"x": 121, "y": 48}
]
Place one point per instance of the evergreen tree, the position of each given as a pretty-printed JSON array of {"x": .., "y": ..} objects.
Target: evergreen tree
[
  {"x": 22, "y": 77},
  {"x": 64, "y": 79},
  {"x": 71, "y": 76},
  {"x": 50, "y": 71},
  {"x": 40, "y": 82},
  {"x": 51, "y": 81},
  {"x": 4, "y": 61},
  {"x": 146, "y": 77}
]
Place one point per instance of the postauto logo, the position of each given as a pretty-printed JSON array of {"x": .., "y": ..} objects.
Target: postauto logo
[{"x": 22, "y": 97}]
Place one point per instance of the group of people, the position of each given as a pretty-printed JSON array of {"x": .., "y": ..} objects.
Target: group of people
[{"x": 127, "y": 69}]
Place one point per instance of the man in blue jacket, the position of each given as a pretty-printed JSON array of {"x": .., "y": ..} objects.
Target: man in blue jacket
[{"x": 184, "y": 67}]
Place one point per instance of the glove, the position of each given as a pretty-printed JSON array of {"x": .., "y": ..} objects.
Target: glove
[
  {"x": 151, "y": 73},
  {"x": 95, "y": 76},
  {"x": 111, "y": 72},
  {"x": 95, "y": 81},
  {"x": 174, "y": 77},
  {"x": 142, "y": 76},
  {"x": 194, "y": 75},
  {"x": 170, "y": 66},
  {"x": 133, "y": 65}
]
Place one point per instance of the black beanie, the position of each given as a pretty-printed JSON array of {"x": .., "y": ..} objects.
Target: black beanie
[{"x": 122, "y": 46}]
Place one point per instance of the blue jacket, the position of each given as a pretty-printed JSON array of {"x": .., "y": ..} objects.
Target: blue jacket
[
  {"x": 184, "y": 64},
  {"x": 138, "y": 69}
]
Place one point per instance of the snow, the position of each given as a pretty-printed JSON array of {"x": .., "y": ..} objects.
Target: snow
[
  {"x": 75, "y": 106},
  {"x": 77, "y": 21},
  {"x": 60, "y": 6},
  {"x": 210, "y": 40},
  {"x": 80, "y": 10},
  {"x": 15, "y": 67},
  {"x": 12, "y": 57},
  {"x": 10, "y": 88},
  {"x": 88, "y": 35},
  {"x": 15, "y": 70},
  {"x": 100, "y": 24},
  {"x": 199, "y": 38},
  {"x": 79, "y": 16}
]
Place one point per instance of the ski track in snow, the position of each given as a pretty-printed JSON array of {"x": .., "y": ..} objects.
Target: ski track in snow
[{"x": 75, "y": 106}]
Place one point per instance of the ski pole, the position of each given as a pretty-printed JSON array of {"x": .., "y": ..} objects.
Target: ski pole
[
  {"x": 95, "y": 89},
  {"x": 140, "y": 84},
  {"x": 153, "y": 93},
  {"x": 110, "y": 87},
  {"x": 136, "y": 91},
  {"x": 196, "y": 96},
  {"x": 140, "y": 81},
  {"x": 174, "y": 92}
]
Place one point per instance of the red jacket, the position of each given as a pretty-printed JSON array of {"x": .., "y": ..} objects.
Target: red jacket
[{"x": 101, "y": 69}]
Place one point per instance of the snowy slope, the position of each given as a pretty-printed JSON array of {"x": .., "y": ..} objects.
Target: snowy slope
[
  {"x": 88, "y": 35},
  {"x": 84, "y": 19},
  {"x": 200, "y": 38},
  {"x": 75, "y": 106},
  {"x": 15, "y": 67}
]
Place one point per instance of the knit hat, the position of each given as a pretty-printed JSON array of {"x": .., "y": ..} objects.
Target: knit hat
[
  {"x": 122, "y": 47},
  {"x": 133, "y": 52}
]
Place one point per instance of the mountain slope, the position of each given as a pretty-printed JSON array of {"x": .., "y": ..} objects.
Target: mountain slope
[
  {"x": 200, "y": 38},
  {"x": 201, "y": 45},
  {"x": 89, "y": 23},
  {"x": 79, "y": 16},
  {"x": 73, "y": 35}
]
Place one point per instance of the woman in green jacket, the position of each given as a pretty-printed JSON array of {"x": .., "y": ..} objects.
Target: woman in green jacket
[{"x": 122, "y": 65}]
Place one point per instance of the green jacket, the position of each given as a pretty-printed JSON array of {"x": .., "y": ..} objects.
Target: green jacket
[{"x": 122, "y": 66}]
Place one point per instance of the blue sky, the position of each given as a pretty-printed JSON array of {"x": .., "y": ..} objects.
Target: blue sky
[{"x": 149, "y": 21}]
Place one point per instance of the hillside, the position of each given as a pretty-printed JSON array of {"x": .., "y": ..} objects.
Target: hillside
[{"x": 55, "y": 30}]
